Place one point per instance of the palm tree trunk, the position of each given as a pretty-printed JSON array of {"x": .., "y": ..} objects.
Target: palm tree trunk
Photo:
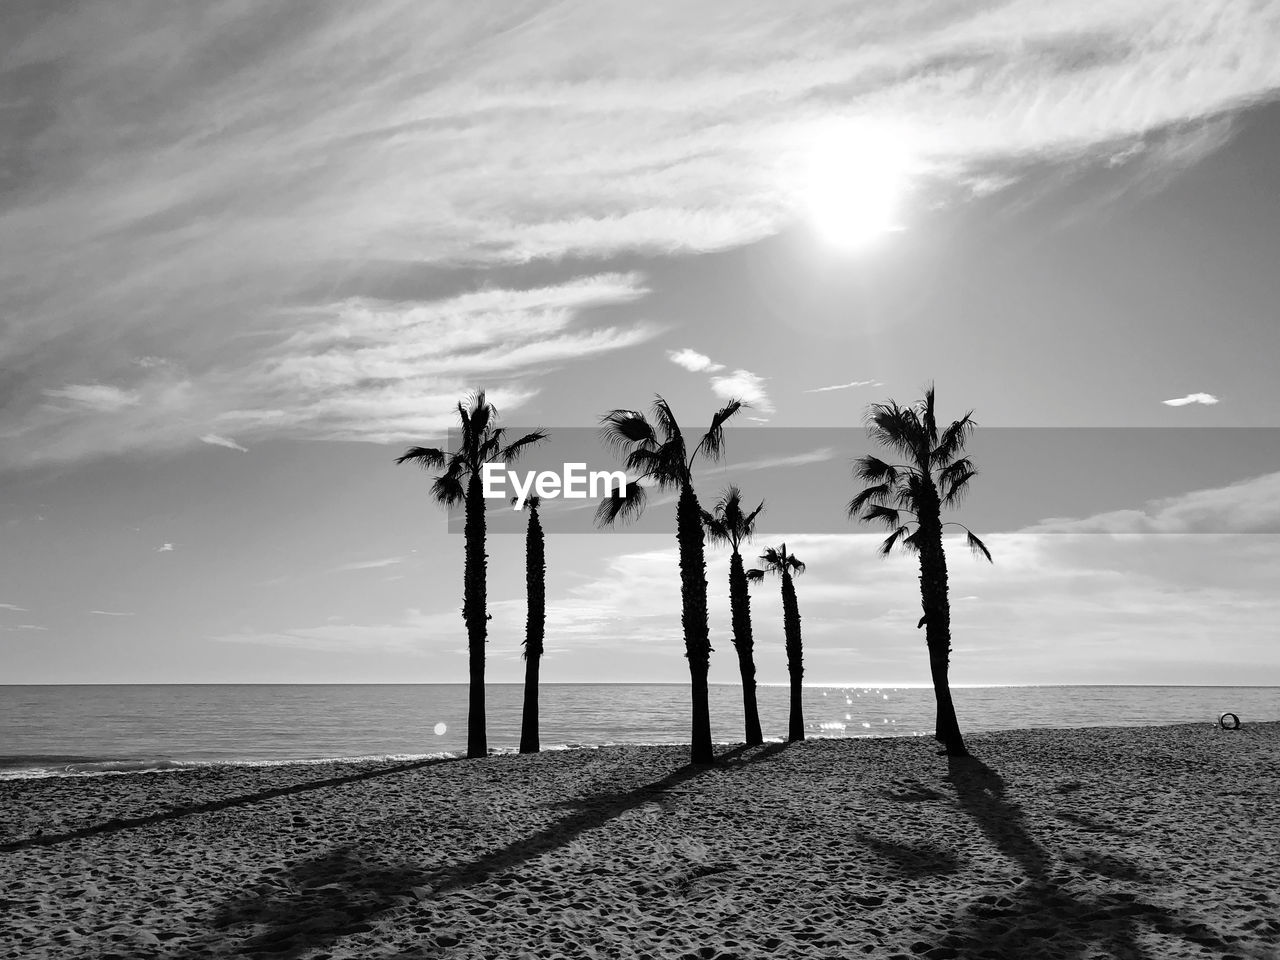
[
  {"x": 693, "y": 617},
  {"x": 475, "y": 615},
  {"x": 529, "y": 742},
  {"x": 535, "y": 577},
  {"x": 743, "y": 642},
  {"x": 937, "y": 612},
  {"x": 795, "y": 657}
]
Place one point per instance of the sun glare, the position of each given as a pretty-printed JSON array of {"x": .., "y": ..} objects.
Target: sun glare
[{"x": 854, "y": 184}]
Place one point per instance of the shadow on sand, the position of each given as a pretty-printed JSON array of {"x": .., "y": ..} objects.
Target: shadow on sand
[
  {"x": 176, "y": 813},
  {"x": 313, "y": 903},
  {"x": 1043, "y": 914}
]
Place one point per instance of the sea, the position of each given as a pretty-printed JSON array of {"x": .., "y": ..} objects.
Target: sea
[{"x": 86, "y": 730}]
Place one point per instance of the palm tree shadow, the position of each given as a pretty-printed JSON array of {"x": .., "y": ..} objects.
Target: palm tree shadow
[
  {"x": 590, "y": 812},
  {"x": 310, "y": 903},
  {"x": 315, "y": 902},
  {"x": 910, "y": 860},
  {"x": 1004, "y": 925},
  {"x": 190, "y": 810}
]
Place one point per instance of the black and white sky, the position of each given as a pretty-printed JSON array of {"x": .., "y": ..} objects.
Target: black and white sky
[{"x": 250, "y": 251}]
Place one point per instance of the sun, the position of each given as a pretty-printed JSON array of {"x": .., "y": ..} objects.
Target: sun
[{"x": 854, "y": 181}]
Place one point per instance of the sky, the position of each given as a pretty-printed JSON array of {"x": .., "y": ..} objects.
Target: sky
[{"x": 249, "y": 253}]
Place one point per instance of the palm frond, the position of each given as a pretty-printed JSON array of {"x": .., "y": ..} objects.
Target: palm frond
[
  {"x": 977, "y": 546},
  {"x": 897, "y": 428},
  {"x": 512, "y": 451},
  {"x": 755, "y": 575},
  {"x": 717, "y": 529},
  {"x": 621, "y": 429},
  {"x": 624, "y": 506},
  {"x": 956, "y": 485},
  {"x": 448, "y": 489},
  {"x": 874, "y": 470},
  {"x": 796, "y": 566},
  {"x": 712, "y": 443},
  {"x": 428, "y": 458},
  {"x": 890, "y": 541},
  {"x": 878, "y": 512},
  {"x": 869, "y": 495},
  {"x": 927, "y": 418},
  {"x": 748, "y": 526},
  {"x": 665, "y": 419},
  {"x": 953, "y": 440}
]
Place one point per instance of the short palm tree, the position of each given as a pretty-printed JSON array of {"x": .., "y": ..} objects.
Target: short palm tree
[
  {"x": 728, "y": 524},
  {"x": 908, "y": 498},
  {"x": 656, "y": 452},
  {"x": 786, "y": 566},
  {"x": 480, "y": 441},
  {"x": 535, "y": 579}
]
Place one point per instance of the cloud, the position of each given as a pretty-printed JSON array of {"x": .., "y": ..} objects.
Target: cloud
[
  {"x": 25, "y": 626},
  {"x": 370, "y": 564},
  {"x": 693, "y": 361},
  {"x": 165, "y": 548},
  {"x": 745, "y": 386},
  {"x": 846, "y": 386},
  {"x": 219, "y": 441},
  {"x": 99, "y": 397},
  {"x": 13, "y": 607},
  {"x": 355, "y": 369},
  {"x": 1205, "y": 398},
  {"x": 195, "y": 185},
  {"x": 1249, "y": 506},
  {"x": 113, "y": 613},
  {"x": 796, "y": 460}
]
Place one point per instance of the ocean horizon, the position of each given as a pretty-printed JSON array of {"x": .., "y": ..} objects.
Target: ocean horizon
[{"x": 86, "y": 729}]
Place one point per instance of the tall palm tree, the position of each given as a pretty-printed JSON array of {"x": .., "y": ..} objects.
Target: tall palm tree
[
  {"x": 908, "y": 499},
  {"x": 535, "y": 579},
  {"x": 728, "y": 524},
  {"x": 787, "y": 566},
  {"x": 656, "y": 452},
  {"x": 480, "y": 441}
]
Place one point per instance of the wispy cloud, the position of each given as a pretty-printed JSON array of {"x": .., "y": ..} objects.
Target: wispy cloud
[
  {"x": 1250, "y": 506},
  {"x": 693, "y": 361},
  {"x": 13, "y": 607},
  {"x": 356, "y": 369},
  {"x": 165, "y": 548},
  {"x": 1206, "y": 398},
  {"x": 134, "y": 224},
  {"x": 846, "y": 386},
  {"x": 796, "y": 460},
  {"x": 370, "y": 564},
  {"x": 113, "y": 613},
  {"x": 100, "y": 397},
  {"x": 220, "y": 441}
]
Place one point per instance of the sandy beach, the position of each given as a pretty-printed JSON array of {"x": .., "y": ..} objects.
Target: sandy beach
[{"x": 1156, "y": 843}]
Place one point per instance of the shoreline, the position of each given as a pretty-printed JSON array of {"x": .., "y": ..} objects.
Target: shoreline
[{"x": 1073, "y": 838}]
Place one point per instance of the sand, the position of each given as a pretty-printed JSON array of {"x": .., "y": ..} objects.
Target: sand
[{"x": 1150, "y": 843}]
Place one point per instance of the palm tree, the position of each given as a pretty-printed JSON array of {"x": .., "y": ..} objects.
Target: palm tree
[
  {"x": 656, "y": 452},
  {"x": 787, "y": 566},
  {"x": 535, "y": 579},
  {"x": 910, "y": 495},
  {"x": 480, "y": 441},
  {"x": 728, "y": 524}
]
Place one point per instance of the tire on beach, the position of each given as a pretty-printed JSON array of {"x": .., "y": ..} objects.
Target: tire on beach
[{"x": 1234, "y": 721}]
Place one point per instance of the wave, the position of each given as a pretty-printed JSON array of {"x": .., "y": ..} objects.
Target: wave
[{"x": 37, "y": 766}]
